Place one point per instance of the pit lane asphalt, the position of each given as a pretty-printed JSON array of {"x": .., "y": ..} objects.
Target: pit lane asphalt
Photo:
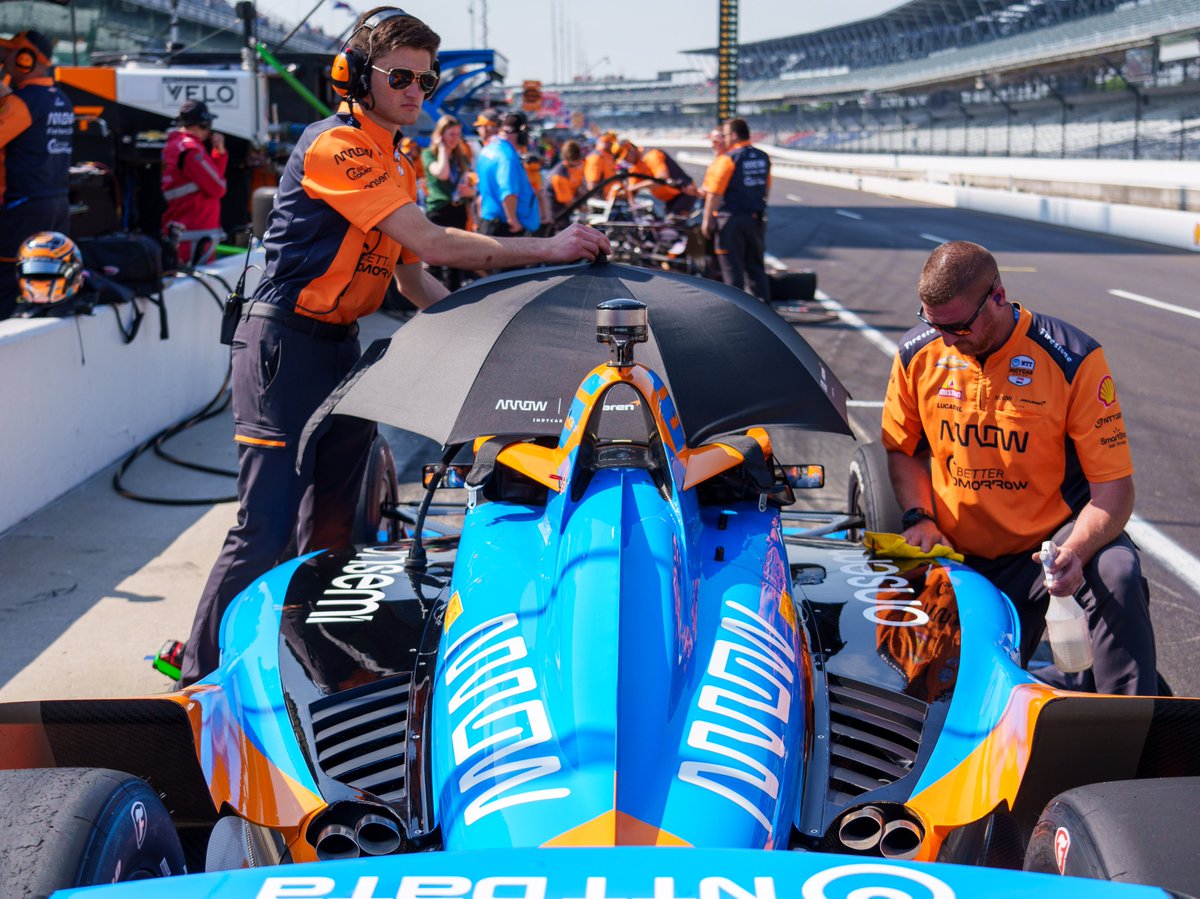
[{"x": 94, "y": 583}]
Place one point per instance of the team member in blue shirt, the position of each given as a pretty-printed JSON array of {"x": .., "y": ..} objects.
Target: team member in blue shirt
[{"x": 508, "y": 206}]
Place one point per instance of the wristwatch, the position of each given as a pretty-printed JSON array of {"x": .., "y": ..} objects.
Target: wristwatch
[{"x": 913, "y": 515}]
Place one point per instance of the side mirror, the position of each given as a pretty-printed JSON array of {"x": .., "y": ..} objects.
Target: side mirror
[
  {"x": 805, "y": 477},
  {"x": 453, "y": 476}
]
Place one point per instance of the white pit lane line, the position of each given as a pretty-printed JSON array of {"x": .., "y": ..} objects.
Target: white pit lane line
[
  {"x": 848, "y": 214},
  {"x": 932, "y": 237},
  {"x": 1150, "y": 539},
  {"x": 1157, "y": 304}
]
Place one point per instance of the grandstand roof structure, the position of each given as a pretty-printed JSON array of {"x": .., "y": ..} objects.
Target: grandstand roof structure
[{"x": 925, "y": 44}]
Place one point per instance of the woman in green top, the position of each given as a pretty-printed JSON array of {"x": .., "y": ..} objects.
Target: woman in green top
[{"x": 448, "y": 189}]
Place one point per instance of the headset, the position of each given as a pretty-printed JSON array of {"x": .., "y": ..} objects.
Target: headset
[
  {"x": 350, "y": 74},
  {"x": 27, "y": 57}
]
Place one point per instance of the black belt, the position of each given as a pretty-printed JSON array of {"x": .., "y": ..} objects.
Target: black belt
[{"x": 303, "y": 323}]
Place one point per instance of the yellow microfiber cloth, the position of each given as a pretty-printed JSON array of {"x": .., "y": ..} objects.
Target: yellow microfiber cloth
[{"x": 896, "y": 547}]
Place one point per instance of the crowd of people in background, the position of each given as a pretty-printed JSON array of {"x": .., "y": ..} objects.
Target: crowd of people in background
[{"x": 508, "y": 182}]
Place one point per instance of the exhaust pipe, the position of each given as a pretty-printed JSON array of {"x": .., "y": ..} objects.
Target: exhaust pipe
[
  {"x": 336, "y": 841},
  {"x": 900, "y": 841},
  {"x": 376, "y": 835},
  {"x": 862, "y": 829}
]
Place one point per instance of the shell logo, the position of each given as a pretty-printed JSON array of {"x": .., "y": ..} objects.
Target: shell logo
[{"x": 1107, "y": 391}]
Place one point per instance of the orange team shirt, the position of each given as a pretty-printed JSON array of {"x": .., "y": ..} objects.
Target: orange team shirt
[
  {"x": 1014, "y": 441},
  {"x": 566, "y": 187},
  {"x": 533, "y": 169},
  {"x": 655, "y": 163},
  {"x": 720, "y": 170},
  {"x": 598, "y": 167},
  {"x": 351, "y": 179}
]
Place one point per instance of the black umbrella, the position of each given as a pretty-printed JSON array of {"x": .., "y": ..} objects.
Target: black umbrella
[{"x": 506, "y": 354}]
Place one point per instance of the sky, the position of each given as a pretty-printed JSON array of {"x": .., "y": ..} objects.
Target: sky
[{"x": 554, "y": 40}]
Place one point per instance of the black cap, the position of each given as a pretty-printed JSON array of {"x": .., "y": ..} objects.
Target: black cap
[
  {"x": 194, "y": 112},
  {"x": 515, "y": 121}
]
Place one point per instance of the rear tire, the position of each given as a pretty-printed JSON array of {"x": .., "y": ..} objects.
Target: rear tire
[
  {"x": 870, "y": 491},
  {"x": 379, "y": 488},
  {"x": 72, "y": 827},
  {"x": 1133, "y": 831}
]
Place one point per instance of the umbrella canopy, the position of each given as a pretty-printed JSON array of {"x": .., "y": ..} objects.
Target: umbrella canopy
[{"x": 506, "y": 354}]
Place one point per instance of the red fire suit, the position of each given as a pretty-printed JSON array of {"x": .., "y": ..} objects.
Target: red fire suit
[{"x": 193, "y": 182}]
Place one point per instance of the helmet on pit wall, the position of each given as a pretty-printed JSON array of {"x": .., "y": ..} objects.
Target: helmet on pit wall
[{"x": 49, "y": 269}]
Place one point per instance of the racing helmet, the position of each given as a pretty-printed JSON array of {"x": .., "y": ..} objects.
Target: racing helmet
[{"x": 49, "y": 270}]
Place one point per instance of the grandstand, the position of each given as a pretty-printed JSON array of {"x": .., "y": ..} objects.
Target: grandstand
[
  {"x": 135, "y": 27},
  {"x": 1063, "y": 78}
]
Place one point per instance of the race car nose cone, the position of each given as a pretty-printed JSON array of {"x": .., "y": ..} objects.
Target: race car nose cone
[{"x": 621, "y": 323}]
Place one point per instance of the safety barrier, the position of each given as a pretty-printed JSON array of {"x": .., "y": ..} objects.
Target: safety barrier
[
  {"x": 954, "y": 182},
  {"x": 78, "y": 398}
]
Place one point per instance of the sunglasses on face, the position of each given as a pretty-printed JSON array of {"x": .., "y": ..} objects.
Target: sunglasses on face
[
  {"x": 959, "y": 329},
  {"x": 399, "y": 79}
]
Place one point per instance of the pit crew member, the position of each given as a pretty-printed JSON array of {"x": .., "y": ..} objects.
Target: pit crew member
[
  {"x": 193, "y": 182},
  {"x": 344, "y": 222},
  {"x": 1003, "y": 429},
  {"x": 735, "y": 208}
]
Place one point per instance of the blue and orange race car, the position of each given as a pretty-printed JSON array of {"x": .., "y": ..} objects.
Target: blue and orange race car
[{"x": 632, "y": 641}]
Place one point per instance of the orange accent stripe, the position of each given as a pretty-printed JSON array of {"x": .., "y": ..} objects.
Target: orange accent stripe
[
  {"x": 991, "y": 773},
  {"x": 615, "y": 828},
  {"x": 257, "y": 441},
  {"x": 89, "y": 110},
  {"x": 96, "y": 80}
]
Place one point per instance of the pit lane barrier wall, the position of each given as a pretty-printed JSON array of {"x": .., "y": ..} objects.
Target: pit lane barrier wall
[
  {"x": 76, "y": 401},
  {"x": 1155, "y": 202}
]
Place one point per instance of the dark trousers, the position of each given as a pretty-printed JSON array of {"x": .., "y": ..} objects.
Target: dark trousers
[
  {"x": 18, "y": 222},
  {"x": 449, "y": 216},
  {"x": 680, "y": 205},
  {"x": 1115, "y": 598},
  {"x": 280, "y": 377},
  {"x": 740, "y": 250}
]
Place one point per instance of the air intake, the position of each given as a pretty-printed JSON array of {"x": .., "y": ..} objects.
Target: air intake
[
  {"x": 361, "y": 735},
  {"x": 874, "y": 737}
]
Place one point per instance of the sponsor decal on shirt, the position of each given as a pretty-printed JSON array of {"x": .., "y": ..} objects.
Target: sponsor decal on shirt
[
  {"x": 1108, "y": 419},
  {"x": 951, "y": 390},
  {"x": 344, "y": 156},
  {"x": 1107, "y": 391},
  {"x": 981, "y": 478},
  {"x": 1020, "y": 371},
  {"x": 986, "y": 436},
  {"x": 951, "y": 363}
]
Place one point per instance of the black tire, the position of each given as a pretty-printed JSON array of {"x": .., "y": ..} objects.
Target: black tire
[
  {"x": 72, "y": 827},
  {"x": 870, "y": 491},
  {"x": 379, "y": 488},
  {"x": 1133, "y": 831},
  {"x": 793, "y": 286}
]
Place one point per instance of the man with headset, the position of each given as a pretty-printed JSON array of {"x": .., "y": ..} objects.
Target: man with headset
[
  {"x": 343, "y": 225},
  {"x": 37, "y": 122}
]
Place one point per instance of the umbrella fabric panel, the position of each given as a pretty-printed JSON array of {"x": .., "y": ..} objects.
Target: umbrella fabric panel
[{"x": 505, "y": 356}]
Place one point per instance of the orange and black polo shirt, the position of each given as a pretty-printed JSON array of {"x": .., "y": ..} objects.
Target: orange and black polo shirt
[
  {"x": 598, "y": 166},
  {"x": 565, "y": 181},
  {"x": 325, "y": 258},
  {"x": 1013, "y": 441},
  {"x": 658, "y": 164}
]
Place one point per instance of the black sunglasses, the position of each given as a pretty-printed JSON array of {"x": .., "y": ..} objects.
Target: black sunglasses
[
  {"x": 960, "y": 329},
  {"x": 400, "y": 79}
]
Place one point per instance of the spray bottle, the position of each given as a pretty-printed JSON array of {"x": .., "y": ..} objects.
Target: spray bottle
[{"x": 1066, "y": 623}]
